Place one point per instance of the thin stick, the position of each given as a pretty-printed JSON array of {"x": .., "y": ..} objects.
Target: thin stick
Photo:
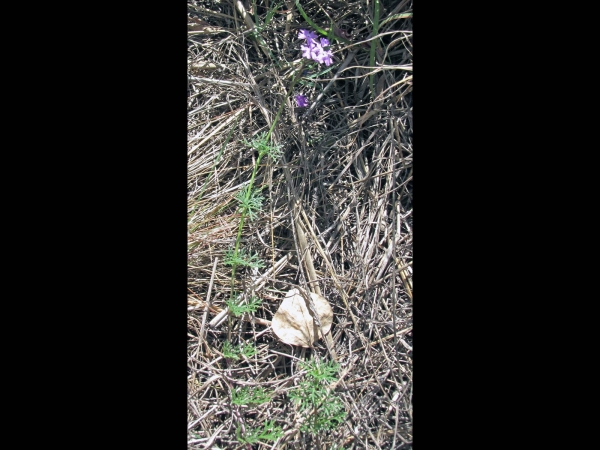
[{"x": 207, "y": 303}]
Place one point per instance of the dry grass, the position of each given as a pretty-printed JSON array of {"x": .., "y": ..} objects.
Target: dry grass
[{"x": 340, "y": 198}]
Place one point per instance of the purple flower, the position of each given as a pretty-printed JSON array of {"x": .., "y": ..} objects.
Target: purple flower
[
  {"x": 306, "y": 34},
  {"x": 325, "y": 58},
  {"x": 315, "y": 54},
  {"x": 315, "y": 50},
  {"x": 301, "y": 101},
  {"x": 326, "y": 55},
  {"x": 306, "y": 51},
  {"x": 322, "y": 56}
]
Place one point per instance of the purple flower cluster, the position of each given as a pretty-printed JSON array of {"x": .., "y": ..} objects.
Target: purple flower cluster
[{"x": 315, "y": 50}]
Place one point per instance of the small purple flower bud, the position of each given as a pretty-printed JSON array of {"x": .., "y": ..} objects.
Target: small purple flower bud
[{"x": 301, "y": 101}]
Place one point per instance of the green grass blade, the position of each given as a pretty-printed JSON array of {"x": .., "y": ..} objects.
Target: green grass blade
[
  {"x": 271, "y": 13},
  {"x": 373, "y": 45},
  {"x": 310, "y": 22}
]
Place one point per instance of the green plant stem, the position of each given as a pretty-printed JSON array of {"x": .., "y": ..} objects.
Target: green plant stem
[
  {"x": 242, "y": 220},
  {"x": 373, "y": 44}
]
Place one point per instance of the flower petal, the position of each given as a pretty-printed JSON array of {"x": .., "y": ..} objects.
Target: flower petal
[
  {"x": 307, "y": 34},
  {"x": 306, "y": 51}
]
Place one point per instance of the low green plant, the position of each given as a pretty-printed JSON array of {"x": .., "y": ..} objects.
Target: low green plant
[
  {"x": 239, "y": 309},
  {"x": 264, "y": 147},
  {"x": 248, "y": 350},
  {"x": 323, "y": 410},
  {"x": 241, "y": 258},
  {"x": 247, "y": 396},
  {"x": 231, "y": 352},
  {"x": 269, "y": 432},
  {"x": 250, "y": 201},
  {"x": 320, "y": 372}
]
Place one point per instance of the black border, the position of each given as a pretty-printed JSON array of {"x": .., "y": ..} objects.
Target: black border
[
  {"x": 464, "y": 243},
  {"x": 106, "y": 334}
]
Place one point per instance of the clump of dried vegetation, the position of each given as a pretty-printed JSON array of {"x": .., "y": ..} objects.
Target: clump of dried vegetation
[{"x": 330, "y": 213}]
